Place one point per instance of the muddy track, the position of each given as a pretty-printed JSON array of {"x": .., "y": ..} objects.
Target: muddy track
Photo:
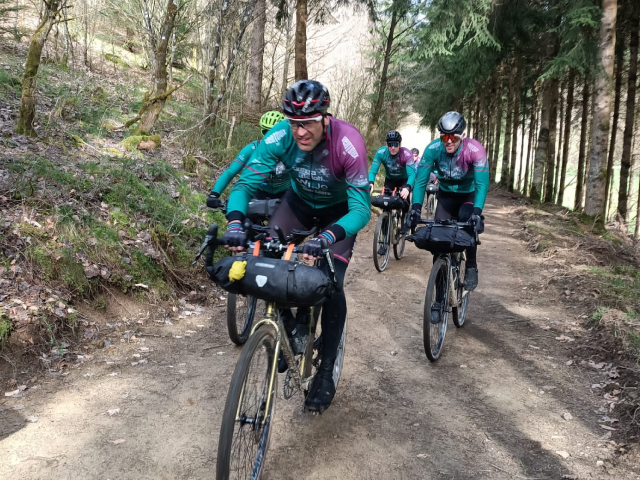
[{"x": 492, "y": 407}]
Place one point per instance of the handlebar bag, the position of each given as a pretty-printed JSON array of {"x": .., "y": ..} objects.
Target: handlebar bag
[
  {"x": 443, "y": 239},
  {"x": 274, "y": 280},
  {"x": 259, "y": 209},
  {"x": 387, "y": 202},
  {"x": 432, "y": 188}
]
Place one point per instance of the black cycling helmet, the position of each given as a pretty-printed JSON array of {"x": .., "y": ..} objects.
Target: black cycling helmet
[
  {"x": 452, "y": 122},
  {"x": 394, "y": 136},
  {"x": 415, "y": 151},
  {"x": 305, "y": 98}
]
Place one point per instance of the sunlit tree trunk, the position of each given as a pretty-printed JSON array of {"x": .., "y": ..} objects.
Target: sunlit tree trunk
[
  {"x": 584, "y": 126},
  {"x": 567, "y": 136},
  {"x": 27, "y": 113},
  {"x": 597, "y": 176},
  {"x": 516, "y": 115},
  {"x": 551, "y": 148},
  {"x": 493, "y": 165},
  {"x": 506, "y": 149},
  {"x": 627, "y": 136},
  {"x": 617, "y": 89},
  {"x": 558, "y": 153},
  {"x": 542, "y": 150}
]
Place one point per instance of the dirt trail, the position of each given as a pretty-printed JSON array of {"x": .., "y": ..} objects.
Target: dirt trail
[{"x": 490, "y": 408}]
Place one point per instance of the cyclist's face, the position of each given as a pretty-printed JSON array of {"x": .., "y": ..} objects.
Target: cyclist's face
[
  {"x": 308, "y": 134},
  {"x": 394, "y": 147},
  {"x": 452, "y": 146}
]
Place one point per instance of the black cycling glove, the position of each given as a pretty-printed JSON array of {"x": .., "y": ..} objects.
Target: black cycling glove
[
  {"x": 235, "y": 236},
  {"x": 314, "y": 247},
  {"x": 213, "y": 200},
  {"x": 478, "y": 219}
]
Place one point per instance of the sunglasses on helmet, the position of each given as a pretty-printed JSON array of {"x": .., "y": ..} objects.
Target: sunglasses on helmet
[
  {"x": 393, "y": 144},
  {"x": 450, "y": 137}
]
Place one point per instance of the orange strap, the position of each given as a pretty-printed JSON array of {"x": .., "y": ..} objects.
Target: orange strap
[
  {"x": 289, "y": 252},
  {"x": 256, "y": 249}
]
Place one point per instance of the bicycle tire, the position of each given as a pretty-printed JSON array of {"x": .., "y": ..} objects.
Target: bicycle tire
[
  {"x": 459, "y": 313},
  {"x": 431, "y": 206},
  {"x": 398, "y": 247},
  {"x": 437, "y": 291},
  {"x": 235, "y": 459},
  {"x": 381, "y": 239},
  {"x": 240, "y": 309}
]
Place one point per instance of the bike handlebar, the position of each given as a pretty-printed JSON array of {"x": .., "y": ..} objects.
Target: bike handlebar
[{"x": 451, "y": 223}]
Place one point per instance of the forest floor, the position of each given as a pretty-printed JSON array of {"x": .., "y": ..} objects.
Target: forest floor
[{"x": 510, "y": 398}]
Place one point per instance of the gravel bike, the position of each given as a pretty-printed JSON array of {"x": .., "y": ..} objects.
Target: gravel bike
[
  {"x": 445, "y": 288},
  {"x": 248, "y": 415},
  {"x": 389, "y": 229}
]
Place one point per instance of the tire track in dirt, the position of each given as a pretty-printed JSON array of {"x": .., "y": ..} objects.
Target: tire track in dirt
[{"x": 479, "y": 412}]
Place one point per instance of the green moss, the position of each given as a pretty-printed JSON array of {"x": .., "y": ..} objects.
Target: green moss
[
  {"x": 131, "y": 143},
  {"x": 189, "y": 163},
  {"x": 6, "y": 326},
  {"x": 116, "y": 59},
  {"x": 43, "y": 259}
]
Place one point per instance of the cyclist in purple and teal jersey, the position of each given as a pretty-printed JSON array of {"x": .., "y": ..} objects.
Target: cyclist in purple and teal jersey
[
  {"x": 327, "y": 160},
  {"x": 399, "y": 166},
  {"x": 463, "y": 178}
]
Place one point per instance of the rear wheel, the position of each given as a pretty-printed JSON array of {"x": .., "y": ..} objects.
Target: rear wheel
[
  {"x": 241, "y": 310},
  {"x": 381, "y": 242},
  {"x": 398, "y": 246},
  {"x": 436, "y": 310},
  {"x": 247, "y": 419},
  {"x": 459, "y": 313}
]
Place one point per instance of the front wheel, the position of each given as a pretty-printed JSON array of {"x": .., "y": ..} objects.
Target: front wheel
[
  {"x": 248, "y": 412},
  {"x": 398, "y": 245},
  {"x": 431, "y": 206},
  {"x": 459, "y": 313},
  {"x": 241, "y": 310},
  {"x": 381, "y": 241},
  {"x": 436, "y": 309}
]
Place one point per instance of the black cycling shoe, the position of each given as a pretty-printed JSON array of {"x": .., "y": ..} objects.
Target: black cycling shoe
[
  {"x": 435, "y": 313},
  {"x": 382, "y": 250},
  {"x": 471, "y": 279},
  {"x": 322, "y": 389}
]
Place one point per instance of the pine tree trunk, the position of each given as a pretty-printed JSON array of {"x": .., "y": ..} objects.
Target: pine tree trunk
[
  {"x": 551, "y": 149},
  {"x": 627, "y": 136},
  {"x": 254, "y": 89},
  {"x": 301, "y": 40},
  {"x": 532, "y": 133},
  {"x": 596, "y": 179},
  {"x": 287, "y": 52},
  {"x": 618, "y": 68},
  {"x": 542, "y": 149},
  {"x": 372, "y": 128},
  {"x": 558, "y": 153},
  {"x": 493, "y": 164},
  {"x": 567, "y": 136},
  {"x": 584, "y": 126},
  {"x": 521, "y": 163},
  {"x": 516, "y": 115},
  {"x": 27, "y": 114},
  {"x": 506, "y": 149}
]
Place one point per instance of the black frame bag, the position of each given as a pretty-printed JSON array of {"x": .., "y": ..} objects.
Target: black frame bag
[
  {"x": 285, "y": 282},
  {"x": 262, "y": 208},
  {"x": 443, "y": 238},
  {"x": 388, "y": 202},
  {"x": 432, "y": 188}
]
